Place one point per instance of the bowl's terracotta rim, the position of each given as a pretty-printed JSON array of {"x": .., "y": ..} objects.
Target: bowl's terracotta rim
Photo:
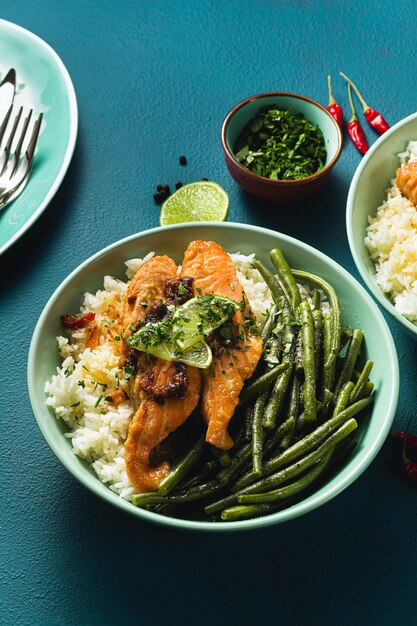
[{"x": 257, "y": 177}]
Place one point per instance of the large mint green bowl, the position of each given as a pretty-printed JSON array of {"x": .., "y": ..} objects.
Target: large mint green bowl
[
  {"x": 358, "y": 310},
  {"x": 366, "y": 194}
]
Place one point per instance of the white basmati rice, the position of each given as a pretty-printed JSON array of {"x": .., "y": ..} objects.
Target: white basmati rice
[
  {"x": 391, "y": 239},
  {"x": 78, "y": 390}
]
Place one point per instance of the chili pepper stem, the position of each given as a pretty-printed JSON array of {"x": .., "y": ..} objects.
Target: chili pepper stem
[
  {"x": 329, "y": 83},
  {"x": 356, "y": 90},
  {"x": 354, "y": 117}
]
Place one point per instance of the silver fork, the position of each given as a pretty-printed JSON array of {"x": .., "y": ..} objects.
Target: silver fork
[{"x": 14, "y": 170}]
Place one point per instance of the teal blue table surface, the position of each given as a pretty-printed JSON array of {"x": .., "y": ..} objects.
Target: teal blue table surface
[{"x": 154, "y": 80}]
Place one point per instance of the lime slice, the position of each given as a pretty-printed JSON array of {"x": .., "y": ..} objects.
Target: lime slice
[
  {"x": 199, "y": 355},
  {"x": 199, "y": 316},
  {"x": 202, "y": 201}
]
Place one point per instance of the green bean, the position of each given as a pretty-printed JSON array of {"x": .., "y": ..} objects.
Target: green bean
[
  {"x": 269, "y": 324},
  {"x": 292, "y": 488},
  {"x": 327, "y": 403},
  {"x": 258, "y": 433},
  {"x": 261, "y": 384},
  {"x": 305, "y": 444},
  {"x": 298, "y": 354},
  {"x": 182, "y": 468},
  {"x": 318, "y": 341},
  {"x": 350, "y": 359},
  {"x": 288, "y": 473},
  {"x": 343, "y": 398},
  {"x": 286, "y": 275},
  {"x": 366, "y": 390},
  {"x": 309, "y": 388},
  {"x": 235, "y": 513},
  {"x": 240, "y": 512},
  {"x": 276, "y": 400},
  {"x": 241, "y": 458},
  {"x": 274, "y": 287},
  {"x": 292, "y": 415},
  {"x": 315, "y": 299},
  {"x": 248, "y": 423},
  {"x": 327, "y": 353},
  {"x": 336, "y": 317},
  {"x": 362, "y": 380}
]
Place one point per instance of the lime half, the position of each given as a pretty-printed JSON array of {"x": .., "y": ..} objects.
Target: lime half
[
  {"x": 202, "y": 201},
  {"x": 199, "y": 316},
  {"x": 199, "y": 355}
]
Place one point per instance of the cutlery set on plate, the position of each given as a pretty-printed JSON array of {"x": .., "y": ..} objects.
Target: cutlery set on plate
[{"x": 16, "y": 155}]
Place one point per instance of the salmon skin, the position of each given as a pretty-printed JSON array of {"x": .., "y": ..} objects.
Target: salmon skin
[
  {"x": 167, "y": 393},
  {"x": 214, "y": 273},
  {"x": 406, "y": 180}
]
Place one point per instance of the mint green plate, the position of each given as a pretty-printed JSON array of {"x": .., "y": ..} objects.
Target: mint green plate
[
  {"x": 367, "y": 193},
  {"x": 44, "y": 84},
  {"x": 358, "y": 308}
]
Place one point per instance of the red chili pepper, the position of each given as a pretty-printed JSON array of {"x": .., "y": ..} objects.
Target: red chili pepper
[
  {"x": 77, "y": 321},
  {"x": 411, "y": 439},
  {"x": 374, "y": 119},
  {"x": 410, "y": 467},
  {"x": 334, "y": 108},
  {"x": 355, "y": 129}
]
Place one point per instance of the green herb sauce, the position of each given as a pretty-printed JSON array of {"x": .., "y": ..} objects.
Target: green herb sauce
[{"x": 281, "y": 145}]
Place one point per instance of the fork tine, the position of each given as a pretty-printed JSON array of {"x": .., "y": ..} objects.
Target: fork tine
[
  {"x": 30, "y": 150},
  {"x": 6, "y": 152},
  {"x": 16, "y": 155},
  {"x": 5, "y": 122}
]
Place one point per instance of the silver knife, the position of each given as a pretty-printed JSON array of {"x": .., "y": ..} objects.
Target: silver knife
[{"x": 7, "y": 91}]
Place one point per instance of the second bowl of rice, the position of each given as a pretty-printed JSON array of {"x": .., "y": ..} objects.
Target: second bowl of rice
[{"x": 382, "y": 224}]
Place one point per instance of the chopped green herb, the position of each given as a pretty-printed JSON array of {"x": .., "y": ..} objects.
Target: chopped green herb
[
  {"x": 117, "y": 338},
  {"x": 81, "y": 383},
  {"x": 68, "y": 372},
  {"x": 99, "y": 399},
  {"x": 182, "y": 291},
  {"x": 127, "y": 372},
  {"x": 76, "y": 404},
  {"x": 132, "y": 327},
  {"x": 108, "y": 399},
  {"x": 281, "y": 145}
]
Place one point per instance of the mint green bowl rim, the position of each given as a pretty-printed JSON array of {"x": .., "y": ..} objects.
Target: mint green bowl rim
[
  {"x": 314, "y": 500},
  {"x": 367, "y": 278}
]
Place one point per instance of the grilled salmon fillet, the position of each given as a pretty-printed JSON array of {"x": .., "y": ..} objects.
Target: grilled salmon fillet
[
  {"x": 406, "y": 180},
  {"x": 147, "y": 287},
  {"x": 166, "y": 392},
  {"x": 155, "y": 419},
  {"x": 214, "y": 273}
]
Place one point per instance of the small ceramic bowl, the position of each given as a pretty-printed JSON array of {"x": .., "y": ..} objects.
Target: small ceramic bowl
[
  {"x": 279, "y": 190},
  {"x": 366, "y": 194},
  {"x": 358, "y": 309}
]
